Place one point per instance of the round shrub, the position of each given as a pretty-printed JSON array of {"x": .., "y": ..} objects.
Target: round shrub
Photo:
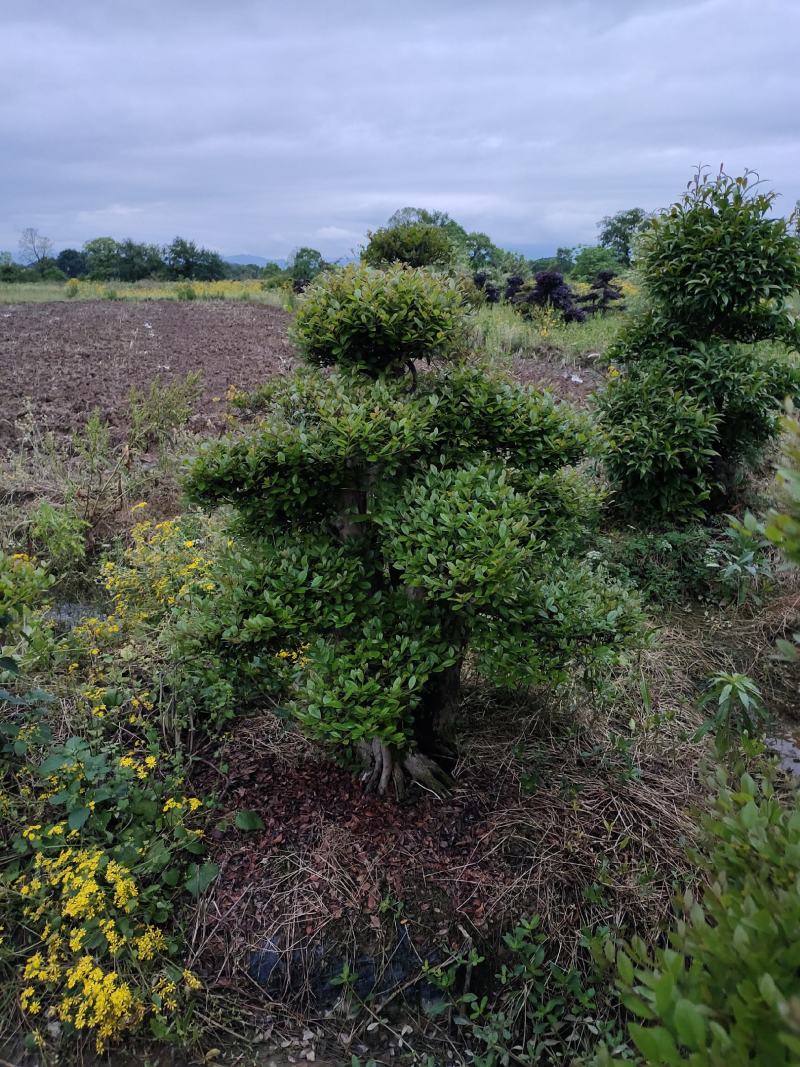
[
  {"x": 380, "y": 320},
  {"x": 417, "y": 244}
]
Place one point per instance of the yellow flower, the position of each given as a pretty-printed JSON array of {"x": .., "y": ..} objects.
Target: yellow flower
[
  {"x": 191, "y": 980},
  {"x": 150, "y": 942}
]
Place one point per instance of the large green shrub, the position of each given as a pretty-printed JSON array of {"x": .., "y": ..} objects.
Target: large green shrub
[
  {"x": 700, "y": 397},
  {"x": 396, "y": 521},
  {"x": 417, "y": 244},
  {"x": 726, "y": 991}
]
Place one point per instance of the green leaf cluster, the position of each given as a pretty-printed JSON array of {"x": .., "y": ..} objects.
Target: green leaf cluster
[{"x": 726, "y": 990}]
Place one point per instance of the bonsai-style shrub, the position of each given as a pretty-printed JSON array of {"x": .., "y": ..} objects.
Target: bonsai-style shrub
[
  {"x": 602, "y": 295},
  {"x": 417, "y": 244},
  {"x": 701, "y": 395},
  {"x": 549, "y": 291},
  {"x": 390, "y": 522}
]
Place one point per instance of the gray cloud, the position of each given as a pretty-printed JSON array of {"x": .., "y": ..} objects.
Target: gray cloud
[{"x": 261, "y": 126}]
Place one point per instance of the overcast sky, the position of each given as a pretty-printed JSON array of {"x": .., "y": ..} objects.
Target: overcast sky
[{"x": 257, "y": 126}]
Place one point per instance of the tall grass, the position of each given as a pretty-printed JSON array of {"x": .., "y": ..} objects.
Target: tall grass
[
  {"x": 45, "y": 292},
  {"x": 503, "y": 333}
]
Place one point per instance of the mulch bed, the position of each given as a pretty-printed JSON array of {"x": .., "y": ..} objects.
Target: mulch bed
[
  {"x": 331, "y": 862},
  {"x": 61, "y": 361}
]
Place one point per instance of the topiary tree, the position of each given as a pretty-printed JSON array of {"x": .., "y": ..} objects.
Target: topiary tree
[
  {"x": 392, "y": 522},
  {"x": 602, "y": 295},
  {"x": 549, "y": 291},
  {"x": 416, "y": 244},
  {"x": 700, "y": 395}
]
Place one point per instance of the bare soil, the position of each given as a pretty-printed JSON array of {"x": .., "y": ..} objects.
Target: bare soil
[{"x": 62, "y": 361}]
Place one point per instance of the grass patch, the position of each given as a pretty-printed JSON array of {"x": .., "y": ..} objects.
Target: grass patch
[{"x": 48, "y": 292}]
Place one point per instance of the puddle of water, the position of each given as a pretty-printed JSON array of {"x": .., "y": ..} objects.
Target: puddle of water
[{"x": 788, "y": 754}]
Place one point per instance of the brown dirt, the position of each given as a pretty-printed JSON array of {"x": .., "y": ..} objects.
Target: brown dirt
[
  {"x": 575, "y": 384},
  {"x": 61, "y": 361}
]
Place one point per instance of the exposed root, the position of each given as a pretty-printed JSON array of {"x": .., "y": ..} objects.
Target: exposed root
[{"x": 386, "y": 768}]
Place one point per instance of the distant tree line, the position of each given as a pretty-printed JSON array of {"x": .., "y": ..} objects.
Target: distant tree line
[
  {"x": 106, "y": 259},
  {"x": 423, "y": 238},
  {"x": 416, "y": 236}
]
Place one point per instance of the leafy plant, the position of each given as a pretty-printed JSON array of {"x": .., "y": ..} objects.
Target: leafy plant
[
  {"x": 725, "y": 992},
  {"x": 535, "y": 1012},
  {"x": 379, "y": 320},
  {"x": 58, "y": 534},
  {"x": 736, "y": 703},
  {"x": 156, "y": 414},
  {"x": 783, "y": 527},
  {"x": 741, "y": 559}
]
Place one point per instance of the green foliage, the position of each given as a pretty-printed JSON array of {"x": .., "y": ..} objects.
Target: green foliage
[
  {"x": 736, "y": 705},
  {"x": 589, "y": 261},
  {"x": 184, "y": 259},
  {"x": 378, "y": 320},
  {"x": 660, "y": 442},
  {"x": 700, "y": 398},
  {"x": 718, "y": 265},
  {"x": 416, "y": 244},
  {"x": 59, "y": 535},
  {"x": 666, "y": 566},
  {"x": 154, "y": 415},
  {"x": 24, "y": 587},
  {"x": 305, "y": 265},
  {"x": 783, "y": 527},
  {"x": 741, "y": 559},
  {"x": 535, "y": 1012},
  {"x": 725, "y": 993}
]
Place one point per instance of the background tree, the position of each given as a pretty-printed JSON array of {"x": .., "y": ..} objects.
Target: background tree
[
  {"x": 304, "y": 265},
  {"x": 186, "y": 260},
  {"x": 590, "y": 260},
  {"x": 34, "y": 247},
  {"x": 9, "y": 270},
  {"x": 454, "y": 231},
  {"x": 390, "y": 521},
  {"x": 701, "y": 397},
  {"x": 618, "y": 232},
  {"x": 72, "y": 262},
  {"x": 136, "y": 261},
  {"x": 563, "y": 261},
  {"x": 102, "y": 262}
]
